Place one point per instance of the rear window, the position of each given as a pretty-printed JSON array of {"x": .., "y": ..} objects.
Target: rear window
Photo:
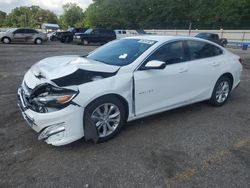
[{"x": 199, "y": 50}]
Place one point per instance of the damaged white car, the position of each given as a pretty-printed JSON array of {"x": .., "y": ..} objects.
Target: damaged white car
[{"x": 66, "y": 98}]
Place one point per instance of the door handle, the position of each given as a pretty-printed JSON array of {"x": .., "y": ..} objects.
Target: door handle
[
  {"x": 215, "y": 64},
  {"x": 182, "y": 70}
]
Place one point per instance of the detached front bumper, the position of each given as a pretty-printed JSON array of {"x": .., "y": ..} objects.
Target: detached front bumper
[{"x": 57, "y": 128}]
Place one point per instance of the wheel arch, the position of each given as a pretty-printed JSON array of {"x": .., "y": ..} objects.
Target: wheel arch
[
  {"x": 38, "y": 38},
  {"x": 119, "y": 97},
  {"x": 5, "y": 37},
  {"x": 230, "y": 76}
]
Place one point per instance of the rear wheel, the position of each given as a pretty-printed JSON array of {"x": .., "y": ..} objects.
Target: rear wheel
[
  {"x": 6, "y": 40},
  {"x": 221, "y": 91},
  {"x": 108, "y": 115},
  {"x": 67, "y": 39}
]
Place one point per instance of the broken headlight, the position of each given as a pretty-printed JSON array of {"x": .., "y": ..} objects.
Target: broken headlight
[{"x": 49, "y": 96}]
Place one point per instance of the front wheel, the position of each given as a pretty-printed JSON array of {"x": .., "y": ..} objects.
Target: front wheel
[
  {"x": 221, "y": 91},
  {"x": 38, "y": 41},
  {"x": 6, "y": 40},
  {"x": 85, "y": 42},
  {"x": 107, "y": 114}
]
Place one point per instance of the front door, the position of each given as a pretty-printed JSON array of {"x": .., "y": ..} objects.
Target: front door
[
  {"x": 163, "y": 88},
  {"x": 19, "y": 35}
]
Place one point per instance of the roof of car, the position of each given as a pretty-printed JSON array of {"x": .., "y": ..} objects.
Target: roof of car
[{"x": 161, "y": 38}]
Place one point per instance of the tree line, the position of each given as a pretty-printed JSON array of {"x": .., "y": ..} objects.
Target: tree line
[{"x": 138, "y": 14}]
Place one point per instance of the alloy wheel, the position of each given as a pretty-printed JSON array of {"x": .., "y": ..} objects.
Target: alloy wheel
[
  {"x": 106, "y": 117},
  {"x": 222, "y": 91},
  {"x": 6, "y": 40}
]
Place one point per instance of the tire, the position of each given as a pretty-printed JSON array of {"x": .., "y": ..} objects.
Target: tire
[
  {"x": 6, "y": 40},
  {"x": 99, "y": 111},
  {"x": 62, "y": 40},
  {"x": 52, "y": 38},
  {"x": 221, "y": 91},
  {"x": 38, "y": 41},
  {"x": 67, "y": 40},
  {"x": 85, "y": 42}
]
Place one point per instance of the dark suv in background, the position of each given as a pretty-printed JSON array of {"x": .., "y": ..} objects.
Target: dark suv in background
[
  {"x": 66, "y": 36},
  {"x": 213, "y": 37},
  {"x": 97, "y": 35}
]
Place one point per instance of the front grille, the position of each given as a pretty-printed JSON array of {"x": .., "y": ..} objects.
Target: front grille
[
  {"x": 26, "y": 89},
  {"x": 23, "y": 96}
]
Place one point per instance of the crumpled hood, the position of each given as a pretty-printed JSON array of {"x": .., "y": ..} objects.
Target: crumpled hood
[
  {"x": 66, "y": 71},
  {"x": 61, "y": 66}
]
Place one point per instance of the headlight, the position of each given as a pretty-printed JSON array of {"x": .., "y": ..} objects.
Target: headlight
[
  {"x": 51, "y": 96},
  {"x": 51, "y": 100}
]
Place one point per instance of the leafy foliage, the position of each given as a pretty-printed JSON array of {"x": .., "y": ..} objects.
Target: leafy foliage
[
  {"x": 2, "y": 18},
  {"x": 137, "y": 14},
  {"x": 158, "y": 14},
  {"x": 72, "y": 16},
  {"x": 32, "y": 16}
]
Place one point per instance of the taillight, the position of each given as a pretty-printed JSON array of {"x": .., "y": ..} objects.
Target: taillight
[{"x": 241, "y": 61}]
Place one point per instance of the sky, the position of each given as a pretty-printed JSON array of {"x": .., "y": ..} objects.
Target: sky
[{"x": 53, "y": 5}]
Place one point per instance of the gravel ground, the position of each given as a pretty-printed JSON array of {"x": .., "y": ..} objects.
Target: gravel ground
[{"x": 194, "y": 146}]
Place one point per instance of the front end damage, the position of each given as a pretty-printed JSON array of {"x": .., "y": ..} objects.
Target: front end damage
[
  {"x": 51, "y": 112},
  {"x": 48, "y": 94}
]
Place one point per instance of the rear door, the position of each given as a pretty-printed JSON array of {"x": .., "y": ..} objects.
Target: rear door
[
  {"x": 29, "y": 35},
  {"x": 204, "y": 68}
]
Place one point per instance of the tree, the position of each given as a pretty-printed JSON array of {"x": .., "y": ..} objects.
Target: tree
[
  {"x": 32, "y": 16},
  {"x": 72, "y": 16},
  {"x": 168, "y": 14},
  {"x": 2, "y": 18}
]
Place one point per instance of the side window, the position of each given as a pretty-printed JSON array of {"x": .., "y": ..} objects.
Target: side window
[
  {"x": 19, "y": 31},
  {"x": 199, "y": 50},
  {"x": 124, "y": 32},
  {"x": 215, "y": 37},
  {"x": 95, "y": 31},
  {"x": 31, "y": 31},
  {"x": 170, "y": 53}
]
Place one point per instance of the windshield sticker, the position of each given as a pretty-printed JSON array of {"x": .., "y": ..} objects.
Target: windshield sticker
[
  {"x": 123, "y": 56},
  {"x": 147, "y": 41}
]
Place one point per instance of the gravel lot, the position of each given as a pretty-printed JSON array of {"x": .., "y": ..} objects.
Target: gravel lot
[{"x": 193, "y": 146}]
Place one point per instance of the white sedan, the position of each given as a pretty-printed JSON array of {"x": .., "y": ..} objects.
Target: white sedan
[{"x": 66, "y": 98}]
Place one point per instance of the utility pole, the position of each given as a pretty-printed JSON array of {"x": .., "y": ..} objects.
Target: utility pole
[{"x": 190, "y": 28}]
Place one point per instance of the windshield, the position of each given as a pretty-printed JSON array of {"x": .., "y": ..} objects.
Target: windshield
[
  {"x": 121, "y": 52},
  {"x": 11, "y": 30},
  {"x": 88, "y": 31}
]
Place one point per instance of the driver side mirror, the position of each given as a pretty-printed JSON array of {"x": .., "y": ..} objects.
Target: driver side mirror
[{"x": 155, "y": 64}]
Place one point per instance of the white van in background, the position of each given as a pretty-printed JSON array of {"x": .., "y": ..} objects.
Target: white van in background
[{"x": 121, "y": 33}]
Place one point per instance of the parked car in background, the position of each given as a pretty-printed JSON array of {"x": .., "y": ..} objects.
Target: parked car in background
[
  {"x": 26, "y": 35},
  {"x": 68, "y": 36},
  {"x": 64, "y": 98},
  {"x": 97, "y": 35},
  {"x": 121, "y": 33},
  {"x": 213, "y": 37},
  {"x": 53, "y": 36}
]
